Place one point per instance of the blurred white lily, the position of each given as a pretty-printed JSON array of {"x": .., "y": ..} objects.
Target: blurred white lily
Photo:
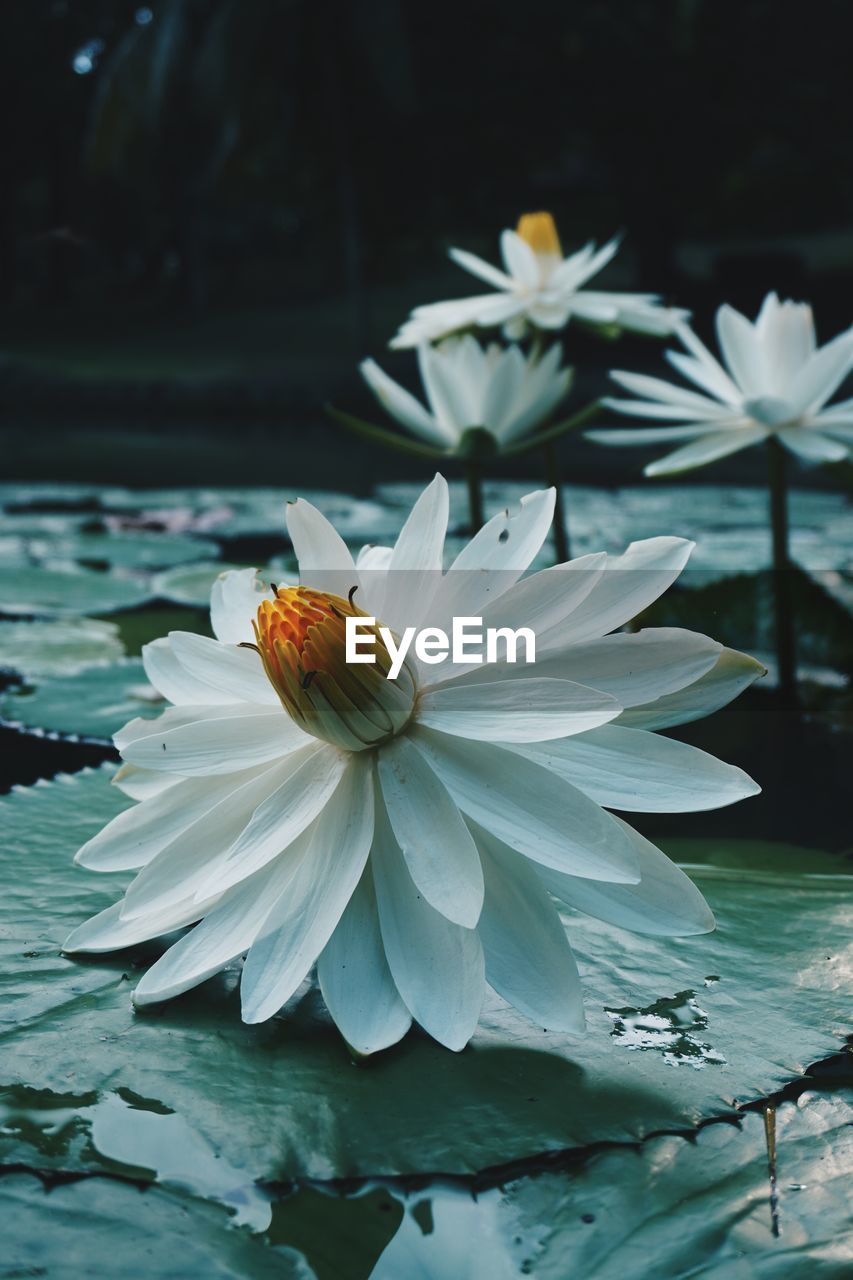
[
  {"x": 407, "y": 835},
  {"x": 467, "y": 386},
  {"x": 773, "y": 383},
  {"x": 540, "y": 287}
]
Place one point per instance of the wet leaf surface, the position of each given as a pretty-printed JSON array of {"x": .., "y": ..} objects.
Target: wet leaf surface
[
  {"x": 34, "y": 650},
  {"x": 102, "y": 1229},
  {"x": 92, "y": 704},
  {"x": 282, "y": 1099},
  {"x": 50, "y": 592},
  {"x": 673, "y": 1204}
]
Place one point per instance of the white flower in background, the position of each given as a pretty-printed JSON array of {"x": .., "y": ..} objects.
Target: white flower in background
[
  {"x": 468, "y": 385},
  {"x": 773, "y": 381},
  {"x": 407, "y": 835},
  {"x": 540, "y": 287}
]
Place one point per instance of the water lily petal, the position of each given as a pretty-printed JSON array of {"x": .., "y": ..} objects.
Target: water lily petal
[
  {"x": 170, "y": 678},
  {"x": 414, "y": 570},
  {"x": 325, "y": 561},
  {"x": 236, "y": 672},
  {"x": 520, "y": 260},
  {"x": 306, "y": 784},
  {"x": 431, "y": 834},
  {"x": 630, "y": 583},
  {"x": 731, "y": 674},
  {"x": 234, "y": 603},
  {"x": 190, "y": 864},
  {"x": 669, "y": 393},
  {"x": 645, "y": 435},
  {"x": 228, "y": 930},
  {"x": 633, "y": 667},
  {"x": 138, "y": 834},
  {"x": 437, "y": 966},
  {"x": 719, "y": 444},
  {"x": 303, "y": 918},
  {"x": 110, "y": 931},
  {"x": 641, "y": 772},
  {"x": 666, "y": 902},
  {"x": 528, "y": 807},
  {"x": 355, "y": 980},
  {"x": 811, "y": 445},
  {"x": 142, "y": 784},
  {"x": 542, "y": 602},
  {"x": 479, "y": 267},
  {"x": 667, "y": 412},
  {"x": 531, "y": 709},
  {"x": 822, "y": 374},
  {"x": 224, "y": 741},
  {"x": 528, "y": 957},
  {"x": 701, "y": 367},
  {"x": 742, "y": 351},
  {"x": 403, "y": 406}
]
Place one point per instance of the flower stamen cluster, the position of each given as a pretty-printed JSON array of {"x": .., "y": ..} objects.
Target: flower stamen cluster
[{"x": 301, "y": 638}]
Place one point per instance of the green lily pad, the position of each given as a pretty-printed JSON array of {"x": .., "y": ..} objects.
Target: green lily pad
[
  {"x": 57, "y": 648},
  {"x": 701, "y": 1207},
  {"x": 678, "y": 1031},
  {"x": 134, "y": 550},
  {"x": 50, "y": 592},
  {"x": 105, "y": 1229},
  {"x": 26, "y": 525},
  {"x": 189, "y": 584},
  {"x": 670, "y": 1208},
  {"x": 21, "y": 493},
  {"x": 92, "y": 704}
]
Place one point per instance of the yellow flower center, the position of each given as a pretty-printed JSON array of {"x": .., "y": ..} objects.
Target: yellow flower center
[
  {"x": 301, "y": 637},
  {"x": 540, "y": 232}
]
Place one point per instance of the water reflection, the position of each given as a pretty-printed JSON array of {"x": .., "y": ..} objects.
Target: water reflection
[
  {"x": 133, "y": 1137},
  {"x": 668, "y": 1026}
]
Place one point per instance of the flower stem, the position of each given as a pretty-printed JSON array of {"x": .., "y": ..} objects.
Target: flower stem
[
  {"x": 786, "y": 652},
  {"x": 552, "y": 475},
  {"x": 475, "y": 496}
]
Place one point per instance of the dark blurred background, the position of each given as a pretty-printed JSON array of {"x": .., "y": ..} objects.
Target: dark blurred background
[{"x": 212, "y": 209}]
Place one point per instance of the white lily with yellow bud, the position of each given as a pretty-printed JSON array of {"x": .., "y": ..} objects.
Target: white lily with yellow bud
[
  {"x": 540, "y": 287},
  {"x": 409, "y": 836}
]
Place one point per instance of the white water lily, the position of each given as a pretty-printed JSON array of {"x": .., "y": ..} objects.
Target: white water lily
[
  {"x": 406, "y": 836},
  {"x": 773, "y": 382},
  {"x": 538, "y": 286},
  {"x": 468, "y": 385}
]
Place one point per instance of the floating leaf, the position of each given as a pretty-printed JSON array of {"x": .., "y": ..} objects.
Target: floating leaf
[
  {"x": 104, "y": 1228},
  {"x": 701, "y": 1207},
  {"x": 45, "y": 592},
  {"x": 136, "y": 550},
  {"x": 37, "y": 649},
  {"x": 92, "y": 704},
  {"x": 282, "y": 1099},
  {"x": 189, "y": 584}
]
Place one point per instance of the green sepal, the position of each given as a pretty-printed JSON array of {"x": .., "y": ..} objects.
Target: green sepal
[
  {"x": 378, "y": 435},
  {"x": 550, "y": 434}
]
